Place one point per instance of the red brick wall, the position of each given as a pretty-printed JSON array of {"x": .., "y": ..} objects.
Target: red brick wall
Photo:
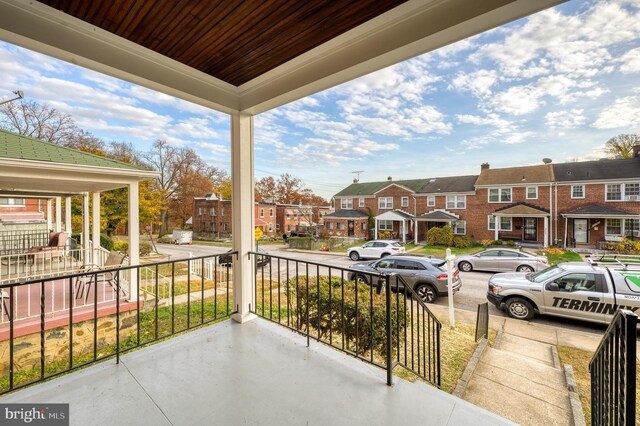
[
  {"x": 335, "y": 232},
  {"x": 203, "y": 221}
]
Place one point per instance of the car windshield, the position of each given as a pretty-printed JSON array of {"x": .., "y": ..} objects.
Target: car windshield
[
  {"x": 544, "y": 275},
  {"x": 396, "y": 245}
]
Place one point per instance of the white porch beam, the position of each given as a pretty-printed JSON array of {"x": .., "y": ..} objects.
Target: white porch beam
[
  {"x": 545, "y": 244},
  {"x": 242, "y": 202},
  {"x": 496, "y": 221},
  {"x": 566, "y": 221},
  {"x": 67, "y": 216},
  {"x": 85, "y": 228},
  {"x": 415, "y": 231},
  {"x": 95, "y": 226},
  {"x": 49, "y": 214},
  {"x": 133, "y": 221},
  {"x": 58, "y": 214},
  {"x": 404, "y": 231}
]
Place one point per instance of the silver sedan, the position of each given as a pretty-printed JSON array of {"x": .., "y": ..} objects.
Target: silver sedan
[{"x": 500, "y": 259}]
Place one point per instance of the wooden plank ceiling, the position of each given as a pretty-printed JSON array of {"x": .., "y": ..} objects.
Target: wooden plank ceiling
[{"x": 232, "y": 40}]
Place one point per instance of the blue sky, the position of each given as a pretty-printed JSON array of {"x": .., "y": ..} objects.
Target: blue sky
[{"x": 557, "y": 84}]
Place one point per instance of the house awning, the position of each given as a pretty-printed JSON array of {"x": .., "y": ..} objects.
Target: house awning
[
  {"x": 346, "y": 214},
  {"x": 598, "y": 211},
  {"x": 521, "y": 210},
  {"x": 438, "y": 216},
  {"x": 395, "y": 215}
]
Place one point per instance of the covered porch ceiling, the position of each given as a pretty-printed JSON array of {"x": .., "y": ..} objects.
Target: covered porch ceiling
[{"x": 247, "y": 56}]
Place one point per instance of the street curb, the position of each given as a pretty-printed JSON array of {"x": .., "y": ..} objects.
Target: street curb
[
  {"x": 471, "y": 367},
  {"x": 498, "y": 339},
  {"x": 555, "y": 357},
  {"x": 574, "y": 398},
  {"x": 328, "y": 253}
]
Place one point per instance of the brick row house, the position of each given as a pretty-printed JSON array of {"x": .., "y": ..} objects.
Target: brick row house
[
  {"x": 566, "y": 204},
  {"x": 212, "y": 216}
]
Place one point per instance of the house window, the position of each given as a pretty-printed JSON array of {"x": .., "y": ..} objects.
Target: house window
[
  {"x": 385, "y": 202},
  {"x": 261, "y": 212},
  {"x": 632, "y": 227},
  {"x": 341, "y": 226},
  {"x": 460, "y": 227},
  {"x": 577, "y": 191},
  {"x": 361, "y": 202},
  {"x": 224, "y": 227},
  {"x": 364, "y": 226},
  {"x": 632, "y": 191},
  {"x": 330, "y": 225},
  {"x": 613, "y": 227},
  {"x": 270, "y": 227},
  {"x": 11, "y": 201},
  {"x": 456, "y": 201},
  {"x": 505, "y": 223},
  {"x": 499, "y": 195},
  {"x": 270, "y": 212},
  {"x": 346, "y": 203},
  {"x": 614, "y": 192},
  {"x": 288, "y": 227},
  {"x": 532, "y": 192},
  {"x": 431, "y": 201},
  {"x": 385, "y": 225},
  {"x": 213, "y": 227},
  {"x": 404, "y": 201},
  {"x": 213, "y": 211},
  {"x": 222, "y": 211}
]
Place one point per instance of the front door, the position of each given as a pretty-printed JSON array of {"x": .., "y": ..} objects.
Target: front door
[
  {"x": 530, "y": 229},
  {"x": 350, "y": 227},
  {"x": 580, "y": 231}
]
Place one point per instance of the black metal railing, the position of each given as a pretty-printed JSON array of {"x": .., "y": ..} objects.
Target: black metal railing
[
  {"x": 374, "y": 317},
  {"x": 613, "y": 373},
  {"x": 482, "y": 321},
  {"x": 100, "y": 320}
]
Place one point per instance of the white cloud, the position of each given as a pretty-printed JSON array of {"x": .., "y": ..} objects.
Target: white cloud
[
  {"x": 565, "y": 119},
  {"x": 625, "y": 112},
  {"x": 630, "y": 61},
  {"x": 479, "y": 83},
  {"x": 517, "y": 100}
]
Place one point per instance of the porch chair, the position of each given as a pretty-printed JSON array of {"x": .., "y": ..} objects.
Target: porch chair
[
  {"x": 55, "y": 248},
  {"x": 83, "y": 283}
]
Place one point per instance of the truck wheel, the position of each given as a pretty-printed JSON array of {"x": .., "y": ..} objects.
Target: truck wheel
[
  {"x": 465, "y": 266},
  {"x": 519, "y": 309},
  {"x": 354, "y": 255},
  {"x": 426, "y": 292}
]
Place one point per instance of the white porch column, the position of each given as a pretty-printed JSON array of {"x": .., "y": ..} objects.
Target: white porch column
[
  {"x": 546, "y": 232},
  {"x": 58, "y": 214},
  {"x": 415, "y": 231},
  {"x": 242, "y": 202},
  {"x": 133, "y": 222},
  {"x": 496, "y": 221},
  {"x": 49, "y": 214},
  {"x": 375, "y": 237},
  {"x": 67, "y": 215},
  {"x": 95, "y": 226},
  {"x": 404, "y": 231},
  {"x": 566, "y": 220},
  {"x": 85, "y": 228}
]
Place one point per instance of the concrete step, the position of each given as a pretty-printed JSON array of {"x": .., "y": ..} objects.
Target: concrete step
[
  {"x": 538, "y": 351},
  {"x": 525, "y": 367}
]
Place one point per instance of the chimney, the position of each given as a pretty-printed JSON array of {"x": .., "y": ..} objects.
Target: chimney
[
  {"x": 389, "y": 179},
  {"x": 636, "y": 151},
  {"x": 484, "y": 166}
]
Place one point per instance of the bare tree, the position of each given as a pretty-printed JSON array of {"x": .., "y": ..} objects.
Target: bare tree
[
  {"x": 40, "y": 121},
  {"x": 622, "y": 145}
]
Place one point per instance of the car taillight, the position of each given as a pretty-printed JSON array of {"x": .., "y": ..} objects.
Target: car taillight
[
  {"x": 395, "y": 248},
  {"x": 442, "y": 276}
]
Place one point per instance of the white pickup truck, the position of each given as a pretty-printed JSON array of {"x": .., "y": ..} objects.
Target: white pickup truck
[{"x": 587, "y": 291}]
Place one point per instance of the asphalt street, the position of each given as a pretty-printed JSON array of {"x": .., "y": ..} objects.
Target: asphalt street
[{"x": 473, "y": 292}]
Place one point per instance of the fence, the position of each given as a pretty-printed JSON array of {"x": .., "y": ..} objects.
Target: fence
[
  {"x": 348, "y": 311},
  {"x": 482, "y": 321},
  {"x": 613, "y": 373},
  {"x": 19, "y": 241}
]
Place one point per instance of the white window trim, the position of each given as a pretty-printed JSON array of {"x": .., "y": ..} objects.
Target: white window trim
[
  {"x": 500, "y": 200},
  {"x": 361, "y": 202},
  {"x": 464, "y": 227},
  {"x": 583, "y": 192},
  {"x": 527, "y": 193},
  {"x": 261, "y": 212},
  {"x": 11, "y": 203},
  {"x": 270, "y": 212},
  {"x": 606, "y": 192},
  {"x": 385, "y": 225},
  {"x": 346, "y": 203},
  {"x": 455, "y": 202},
  {"x": 491, "y": 221},
  {"x": 386, "y": 205},
  {"x": 431, "y": 200},
  {"x": 402, "y": 202}
]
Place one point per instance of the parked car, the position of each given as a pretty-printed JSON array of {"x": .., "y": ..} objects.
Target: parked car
[
  {"x": 426, "y": 275},
  {"x": 578, "y": 290},
  {"x": 501, "y": 259},
  {"x": 261, "y": 259},
  {"x": 375, "y": 249}
]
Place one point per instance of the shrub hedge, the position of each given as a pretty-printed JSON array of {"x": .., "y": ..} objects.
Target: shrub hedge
[{"x": 440, "y": 236}]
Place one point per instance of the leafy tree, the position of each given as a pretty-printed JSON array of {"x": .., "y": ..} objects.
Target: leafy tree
[
  {"x": 265, "y": 188},
  {"x": 288, "y": 189},
  {"x": 622, "y": 145}
]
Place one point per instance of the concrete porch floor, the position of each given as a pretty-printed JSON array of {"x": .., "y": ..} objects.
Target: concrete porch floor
[{"x": 255, "y": 373}]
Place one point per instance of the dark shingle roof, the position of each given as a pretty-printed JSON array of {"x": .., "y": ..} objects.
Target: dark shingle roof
[
  {"x": 520, "y": 175},
  {"x": 346, "y": 214},
  {"x": 449, "y": 184},
  {"x": 430, "y": 185},
  {"x": 596, "y": 170},
  {"x": 438, "y": 215},
  {"x": 21, "y": 147},
  {"x": 369, "y": 188},
  {"x": 595, "y": 210},
  {"x": 522, "y": 208}
]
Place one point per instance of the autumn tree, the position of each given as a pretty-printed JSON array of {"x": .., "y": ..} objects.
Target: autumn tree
[
  {"x": 265, "y": 189},
  {"x": 288, "y": 189},
  {"x": 622, "y": 145},
  {"x": 40, "y": 121}
]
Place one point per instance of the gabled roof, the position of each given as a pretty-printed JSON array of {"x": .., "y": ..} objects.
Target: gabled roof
[
  {"x": 521, "y": 209},
  {"x": 346, "y": 214},
  {"x": 370, "y": 188},
  {"x": 596, "y": 210},
  {"x": 449, "y": 184},
  {"x": 394, "y": 215},
  {"x": 516, "y": 175},
  {"x": 439, "y": 216},
  {"x": 14, "y": 146},
  {"x": 625, "y": 168}
]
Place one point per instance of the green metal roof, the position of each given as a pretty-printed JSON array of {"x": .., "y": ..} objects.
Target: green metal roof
[
  {"x": 369, "y": 188},
  {"x": 21, "y": 147}
]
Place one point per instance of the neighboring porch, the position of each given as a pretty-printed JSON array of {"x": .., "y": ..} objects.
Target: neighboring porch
[
  {"x": 595, "y": 226},
  {"x": 434, "y": 218},
  {"x": 523, "y": 223},
  {"x": 395, "y": 222}
]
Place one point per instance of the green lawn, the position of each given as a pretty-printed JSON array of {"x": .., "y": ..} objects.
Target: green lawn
[
  {"x": 213, "y": 243},
  {"x": 568, "y": 256},
  {"x": 439, "y": 251}
]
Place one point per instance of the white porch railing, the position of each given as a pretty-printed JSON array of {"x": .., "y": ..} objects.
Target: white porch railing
[
  {"x": 147, "y": 284},
  {"x": 22, "y": 240}
]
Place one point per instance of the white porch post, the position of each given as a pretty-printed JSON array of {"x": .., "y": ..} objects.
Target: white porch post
[
  {"x": 566, "y": 220},
  {"x": 58, "y": 214},
  {"x": 242, "y": 202},
  {"x": 376, "y": 230},
  {"x": 404, "y": 231},
  {"x": 496, "y": 221},
  {"x": 415, "y": 231},
  {"x": 67, "y": 215},
  {"x": 95, "y": 226},
  {"x": 49, "y": 214},
  {"x": 546, "y": 232},
  {"x": 133, "y": 221},
  {"x": 85, "y": 228}
]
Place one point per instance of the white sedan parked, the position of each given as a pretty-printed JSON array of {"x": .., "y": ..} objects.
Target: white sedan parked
[{"x": 375, "y": 249}]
